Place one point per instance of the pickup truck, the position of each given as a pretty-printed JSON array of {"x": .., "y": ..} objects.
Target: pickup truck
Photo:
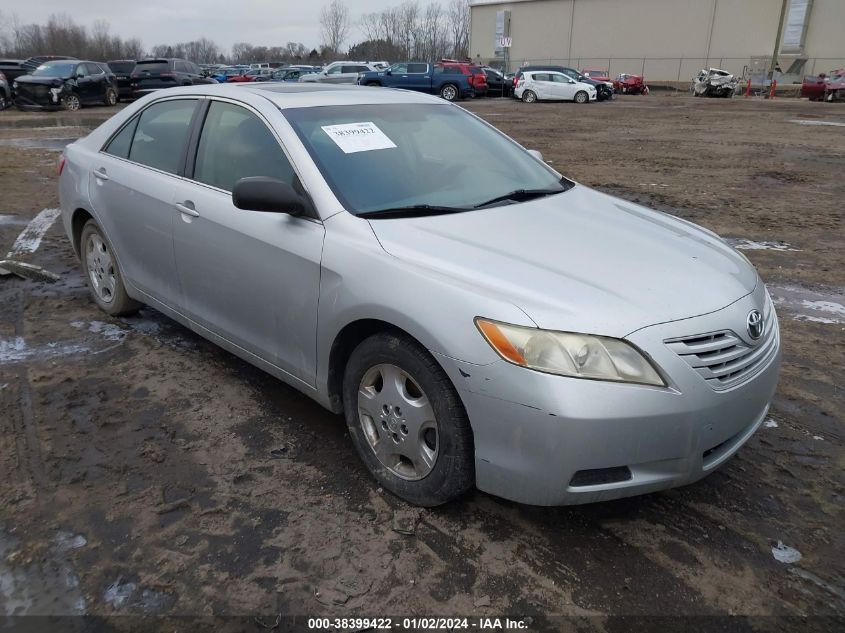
[{"x": 449, "y": 83}]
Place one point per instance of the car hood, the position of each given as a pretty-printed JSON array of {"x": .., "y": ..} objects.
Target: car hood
[
  {"x": 46, "y": 81},
  {"x": 579, "y": 261}
]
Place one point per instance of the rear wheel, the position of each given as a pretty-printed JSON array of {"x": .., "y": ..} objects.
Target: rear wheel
[
  {"x": 104, "y": 279},
  {"x": 111, "y": 97},
  {"x": 407, "y": 421},
  {"x": 529, "y": 96},
  {"x": 581, "y": 97},
  {"x": 449, "y": 92},
  {"x": 71, "y": 102},
  {"x": 372, "y": 83}
]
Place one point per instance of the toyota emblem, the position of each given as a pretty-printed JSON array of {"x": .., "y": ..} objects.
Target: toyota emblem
[{"x": 755, "y": 324}]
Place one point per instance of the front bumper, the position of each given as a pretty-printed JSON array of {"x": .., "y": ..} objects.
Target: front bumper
[{"x": 551, "y": 440}]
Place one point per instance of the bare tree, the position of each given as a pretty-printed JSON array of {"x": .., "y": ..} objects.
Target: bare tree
[
  {"x": 334, "y": 25},
  {"x": 458, "y": 20}
]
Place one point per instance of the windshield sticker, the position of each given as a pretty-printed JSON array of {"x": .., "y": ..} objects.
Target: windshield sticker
[{"x": 358, "y": 137}]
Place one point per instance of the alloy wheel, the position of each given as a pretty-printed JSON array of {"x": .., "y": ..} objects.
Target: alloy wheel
[
  {"x": 449, "y": 93},
  {"x": 398, "y": 421},
  {"x": 101, "y": 268},
  {"x": 71, "y": 102}
]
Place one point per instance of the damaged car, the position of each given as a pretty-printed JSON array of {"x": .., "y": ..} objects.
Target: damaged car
[
  {"x": 509, "y": 329},
  {"x": 714, "y": 82},
  {"x": 66, "y": 84}
]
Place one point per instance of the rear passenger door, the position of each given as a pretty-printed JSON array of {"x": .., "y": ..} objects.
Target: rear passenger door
[
  {"x": 419, "y": 77},
  {"x": 249, "y": 277},
  {"x": 132, "y": 188}
]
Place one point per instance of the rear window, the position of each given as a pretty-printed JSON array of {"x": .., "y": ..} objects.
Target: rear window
[
  {"x": 121, "y": 67},
  {"x": 161, "y": 134},
  {"x": 156, "y": 66}
]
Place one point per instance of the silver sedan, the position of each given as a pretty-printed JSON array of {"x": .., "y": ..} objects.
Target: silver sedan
[{"x": 478, "y": 318}]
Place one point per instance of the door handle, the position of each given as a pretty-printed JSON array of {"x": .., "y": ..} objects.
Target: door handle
[
  {"x": 187, "y": 208},
  {"x": 101, "y": 173}
]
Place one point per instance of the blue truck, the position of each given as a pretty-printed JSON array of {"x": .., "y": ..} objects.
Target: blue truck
[{"x": 445, "y": 80}]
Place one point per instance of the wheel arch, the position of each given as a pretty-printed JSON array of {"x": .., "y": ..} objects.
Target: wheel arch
[{"x": 77, "y": 221}]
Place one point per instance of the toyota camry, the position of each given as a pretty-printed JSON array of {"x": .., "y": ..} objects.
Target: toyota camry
[{"x": 478, "y": 318}]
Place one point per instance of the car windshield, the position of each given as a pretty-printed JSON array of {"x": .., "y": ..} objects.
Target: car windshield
[
  {"x": 55, "y": 70},
  {"x": 389, "y": 156}
]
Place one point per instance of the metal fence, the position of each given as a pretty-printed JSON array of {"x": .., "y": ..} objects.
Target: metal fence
[{"x": 681, "y": 69}]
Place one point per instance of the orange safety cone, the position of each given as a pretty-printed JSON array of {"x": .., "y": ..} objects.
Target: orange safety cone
[
  {"x": 748, "y": 88},
  {"x": 773, "y": 88}
]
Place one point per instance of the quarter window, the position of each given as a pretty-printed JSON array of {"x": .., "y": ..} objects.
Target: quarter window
[
  {"x": 120, "y": 144},
  {"x": 236, "y": 144},
  {"x": 162, "y": 133}
]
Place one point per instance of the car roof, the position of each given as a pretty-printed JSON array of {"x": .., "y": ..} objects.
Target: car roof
[{"x": 300, "y": 95}]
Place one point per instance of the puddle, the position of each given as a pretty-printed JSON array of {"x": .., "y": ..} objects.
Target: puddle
[
  {"x": 826, "y": 307},
  {"x": 11, "y": 220},
  {"x": 51, "y": 144},
  {"x": 743, "y": 244},
  {"x": 107, "y": 330},
  {"x": 47, "y": 586},
  {"x": 813, "y": 122}
]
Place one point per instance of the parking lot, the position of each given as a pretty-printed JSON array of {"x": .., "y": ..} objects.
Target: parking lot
[{"x": 146, "y": 471}]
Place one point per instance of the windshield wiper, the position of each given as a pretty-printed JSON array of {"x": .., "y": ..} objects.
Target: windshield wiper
[
  {"x": 411, "y": 211},
  {"x": 521, "y": 195}
]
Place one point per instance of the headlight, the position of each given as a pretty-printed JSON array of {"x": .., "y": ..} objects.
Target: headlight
[
  {"x": 569, "y": 354},
  {"x": 15, "y": 85}
]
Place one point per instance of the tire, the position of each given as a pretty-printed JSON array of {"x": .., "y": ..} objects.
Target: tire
[
  {"x": 111, "y": 97},
  {"x": 581, "y": 97},
  {"x": 373, "y": 83},
  {"x": 449, "y": 92},
  {"x": 390, "y": 372},
  {"x": 4, "y": 102},
  {"x": 71, "y": 102},
  {"x": 105, "y": 282},
  {"x": 529, "y": 96}
]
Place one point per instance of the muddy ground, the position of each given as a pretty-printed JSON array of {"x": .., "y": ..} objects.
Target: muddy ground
[{"x": 145, "y": 471}]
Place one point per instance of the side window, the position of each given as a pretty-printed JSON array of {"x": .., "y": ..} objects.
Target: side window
[
  {"x": 541, "y": 77},
  {"x": 82, "y": 70},
  {"x": 235, "y": 144},
  {"x": 120, "y": 144},
  {"x": 180, "y": 67},
  {"x": 560, "y": 79},
  {"x": 399, "y": 68},
  {"x": 162, "y": 133},
  {"x": 93, "y": 69},
  {"x": 334, "y": 70},
  {"x": 417, "y": 68}
]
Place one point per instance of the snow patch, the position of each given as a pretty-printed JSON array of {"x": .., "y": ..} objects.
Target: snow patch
[
  {"x": 785, "y": 553},
  {"x": 816, "y": 122},
  {"x": 743, "y": 244},
  {"x": 30, "y": 238},
  {"x": 107, "y": 330},
  {"x": 770, "y": 423}
]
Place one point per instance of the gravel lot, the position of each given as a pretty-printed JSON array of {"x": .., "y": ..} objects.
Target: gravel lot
[{"x": 145, "y": 471}]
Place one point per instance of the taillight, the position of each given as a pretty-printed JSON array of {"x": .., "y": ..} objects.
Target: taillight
[
  {"x": 61, "y": 166},
  {"x": 166, "y": 75}
]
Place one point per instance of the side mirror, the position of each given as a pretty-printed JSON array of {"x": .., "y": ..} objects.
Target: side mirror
[
  {"x": 388, "y": 72},
  {"x": 536, "y": 154},
  {"x": 260, "y": 193},
  {"x": 572, "y": 81}
]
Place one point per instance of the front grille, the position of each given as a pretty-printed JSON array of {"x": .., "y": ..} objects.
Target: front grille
[
  {"x": 600, "y": 476},
  {"x": 723, "y": 359}
]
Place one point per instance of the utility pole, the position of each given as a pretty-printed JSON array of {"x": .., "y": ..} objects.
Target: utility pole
[{"x": 778, "y": 38}]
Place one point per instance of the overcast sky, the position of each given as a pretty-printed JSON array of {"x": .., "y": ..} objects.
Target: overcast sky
[{"x": 259, "y": 22}]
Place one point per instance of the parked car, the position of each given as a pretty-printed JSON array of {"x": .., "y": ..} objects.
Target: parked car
[
  {"x": 5, "y": 93},
  {"x": 597, "y": 74},
  {"x": 603, "y": 90},
  {"x": 122, "y": 70},
  {"x": 824, "y": 87},
  {"x": 224, "y": 74},
  {"x": 630, "y": 84},
  {"x": 714, "y": 82},
  {"x": 31, "y": 63},
  {"x": 555, "y": 376},
  {"x": 257, "y": 74},
  {"x": 67, "y": 84},
  {"x": 162, "y": 73},
  {"x": 290, "y": 73},
  {"x": 553, "y": 86},
  {"x": 340, "y": 73},
  {"x": 12, "y": 69},
  {"x": 422, "y": 77},
  {"x": 475, "y": 75},
  {"x": 497, "y": 85}
]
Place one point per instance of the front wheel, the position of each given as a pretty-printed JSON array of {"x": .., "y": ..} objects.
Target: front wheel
[
  {"x": 407, "y": 422},
  {"x": 581, "y": 97},
  {"x": 111, "y": 97},
  {"x": 104, "y": 279},
  {"x": 449, "y": 92},
  {"x": 529, "y": 96},
  {"x": 71, "y": 102},
  {"x": 372, "y": 84}
]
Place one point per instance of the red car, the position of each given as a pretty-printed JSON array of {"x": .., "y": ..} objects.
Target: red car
[
  {"x": 476, "y": 76},
  {"x": 596, "y": 73},
  {"x": 824, "y": 87},
  {"x": 628, "y": 84}
]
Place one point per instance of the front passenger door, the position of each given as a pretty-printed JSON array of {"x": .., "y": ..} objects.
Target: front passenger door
[{"x": 250, "y": 277}]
